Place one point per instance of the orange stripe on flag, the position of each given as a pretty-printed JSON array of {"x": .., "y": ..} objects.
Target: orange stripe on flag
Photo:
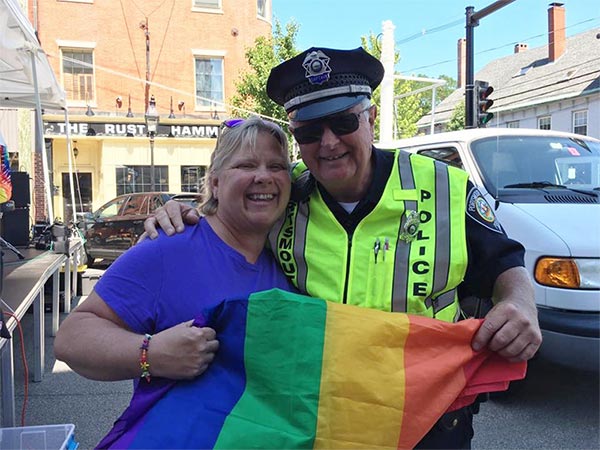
[
  {"x": 362, "y": 378},
  {"x": 433, "y": 352}
]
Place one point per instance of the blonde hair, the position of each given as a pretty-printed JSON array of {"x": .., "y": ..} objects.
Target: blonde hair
[{"x": 240, "y": 137}]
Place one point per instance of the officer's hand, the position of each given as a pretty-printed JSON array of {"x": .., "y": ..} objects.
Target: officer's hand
[
  {"x": 170, "y": 218},
  {"x": 182, "y": 352},
  {"x": 511, "y": 327}
]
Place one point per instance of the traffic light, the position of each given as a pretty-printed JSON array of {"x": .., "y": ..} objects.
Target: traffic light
[{"x": 481, "y": 93}]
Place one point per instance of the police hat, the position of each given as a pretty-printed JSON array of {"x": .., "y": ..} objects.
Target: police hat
[{"x": 323, "y": 81}]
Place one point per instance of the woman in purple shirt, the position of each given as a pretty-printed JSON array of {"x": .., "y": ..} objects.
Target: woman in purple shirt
[{"x": 138, "y": 320}]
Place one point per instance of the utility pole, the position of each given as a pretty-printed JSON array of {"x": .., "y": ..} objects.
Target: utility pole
[
  {"x": 386, "y": 115},
  {"x": 144, "y": 26},
  {"x": 472, "y": 20}
]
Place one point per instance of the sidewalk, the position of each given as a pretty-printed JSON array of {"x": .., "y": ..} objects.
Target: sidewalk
[{"x": 63, "y": 396}]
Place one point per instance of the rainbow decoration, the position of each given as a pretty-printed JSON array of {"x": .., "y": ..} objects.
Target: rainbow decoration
[
  {"x": 5, "y": 182},
  {"x": 299, "y": 372}
]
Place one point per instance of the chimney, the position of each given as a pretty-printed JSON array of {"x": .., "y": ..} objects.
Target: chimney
[
  {"x": 461, "y": 49},
  {"x": 556, "y": 31},
  {"x": 520, "y": 48}
]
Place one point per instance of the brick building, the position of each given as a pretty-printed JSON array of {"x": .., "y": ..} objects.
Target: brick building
[{"x": 112, "y": 57}]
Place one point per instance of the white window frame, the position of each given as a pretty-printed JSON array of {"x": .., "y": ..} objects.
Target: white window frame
[
  {"x": 580, "y": 119},
  {"x": 210, "y": 54},
  {"x": 217, "y": 9},
  {"x": 513, "y": 124},
  {"x": 542, "y": 119},
  {"x": 82, "y": 47},
  {"x": 268, "y": 10}
]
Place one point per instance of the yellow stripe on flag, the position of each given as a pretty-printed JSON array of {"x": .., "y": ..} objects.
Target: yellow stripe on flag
[{"x": 361, "y": 400}]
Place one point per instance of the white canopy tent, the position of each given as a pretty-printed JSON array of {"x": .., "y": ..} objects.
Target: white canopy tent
[{"x": 27, "y": 81}]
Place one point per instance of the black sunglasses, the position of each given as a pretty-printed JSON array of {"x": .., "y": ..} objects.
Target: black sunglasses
[{"x": 340, "y": 125}]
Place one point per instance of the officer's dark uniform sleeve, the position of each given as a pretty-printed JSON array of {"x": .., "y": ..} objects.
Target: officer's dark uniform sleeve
[{"x": 490, "y": 250}]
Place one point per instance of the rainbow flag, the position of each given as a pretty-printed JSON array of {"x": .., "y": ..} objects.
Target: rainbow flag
[
  {"x": 298, "y": 372},
  {"x": 5, "y": 182}
]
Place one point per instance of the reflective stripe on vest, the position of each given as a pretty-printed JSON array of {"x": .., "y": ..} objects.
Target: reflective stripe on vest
[
  {"x": 324, "y": 261},
  {"x": 429, "y": 284}
]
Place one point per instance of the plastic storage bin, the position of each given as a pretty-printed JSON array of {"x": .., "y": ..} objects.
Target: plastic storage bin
[
  {"x": 41, "y": 437},
  {"x": 88, "y": 280}
]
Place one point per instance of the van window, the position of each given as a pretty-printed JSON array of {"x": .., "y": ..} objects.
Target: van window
[
  {"x": 507, "y": 161},
  {"x": 449, "y": 155}
]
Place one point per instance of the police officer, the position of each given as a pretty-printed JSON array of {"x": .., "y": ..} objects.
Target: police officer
[{"x": 387, "y": 230}]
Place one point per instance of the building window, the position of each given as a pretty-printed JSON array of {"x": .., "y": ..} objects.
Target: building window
[
  {"x": 191, "y": 178},
  {"x": 580, "y": 122},
  {"x": 513, "y": 124},
  {"x": 263, "y": 9},
  {"x": 78, "y": 74},
  {"x": 209, "y": 82},
  {"x": 207, "y": 4},
  {"x": 545, "y": 123},
  {"x": 132, "y": 179}
]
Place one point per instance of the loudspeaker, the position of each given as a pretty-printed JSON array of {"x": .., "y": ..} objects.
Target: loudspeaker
[
  {"x": 21, "y": 194},
  {"x": 15, "y": 227}
]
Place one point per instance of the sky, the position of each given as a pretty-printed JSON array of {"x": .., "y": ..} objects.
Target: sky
[{"x": 426, "y": 31}]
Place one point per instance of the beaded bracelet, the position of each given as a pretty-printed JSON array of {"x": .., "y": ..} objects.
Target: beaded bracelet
[{"x": 144, "y": 364}]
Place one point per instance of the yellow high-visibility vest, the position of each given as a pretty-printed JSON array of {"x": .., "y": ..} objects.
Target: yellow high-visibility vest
[{"x": 408, "y": 254}]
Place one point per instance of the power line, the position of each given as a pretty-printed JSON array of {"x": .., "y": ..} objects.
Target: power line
[
  {"x": 531, "y": 37},
  {"x": 576, "y": 80},
  {"x": 535, "y": 81},
  {"x": 142, "y": 11},
  {"x": 439, "y": 63},
  {"x": 162, "y": 44},
  {"x": 424, "y": 31},
  {"x": 168, "y": 88},
  {"x": 130, "y": 40}
]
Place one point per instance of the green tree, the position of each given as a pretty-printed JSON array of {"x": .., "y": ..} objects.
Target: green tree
[
  {"x": 457, "y": 120},
  {"x": 267, "y": 53},
  {"x": 440, "y": 94}
]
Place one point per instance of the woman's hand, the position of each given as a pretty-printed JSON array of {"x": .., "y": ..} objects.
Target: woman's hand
[{"x": 182, "y": 352}]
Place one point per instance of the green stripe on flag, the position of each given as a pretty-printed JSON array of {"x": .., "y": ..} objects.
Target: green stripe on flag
[{"x": 279, "y": 332}]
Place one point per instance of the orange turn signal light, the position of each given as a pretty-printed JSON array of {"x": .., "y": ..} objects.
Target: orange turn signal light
[{"x": 557, "y": 272}]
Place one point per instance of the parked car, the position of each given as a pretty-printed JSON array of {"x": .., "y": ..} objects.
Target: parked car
[
  {"x": 544, "y": 187},
  {"x": 117, "y": 225}
]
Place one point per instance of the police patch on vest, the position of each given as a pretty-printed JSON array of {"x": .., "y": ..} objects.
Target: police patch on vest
[{"x": 481, "y": 211}]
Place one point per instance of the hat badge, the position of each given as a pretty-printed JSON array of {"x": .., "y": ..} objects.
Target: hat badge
[{"x": 317, "y": 67}]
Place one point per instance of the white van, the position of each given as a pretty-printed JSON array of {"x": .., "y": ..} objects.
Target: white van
[{"x": 545, "y": 189}]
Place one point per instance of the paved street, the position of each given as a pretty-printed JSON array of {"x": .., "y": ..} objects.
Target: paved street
[{"x": 554, "y": 408}]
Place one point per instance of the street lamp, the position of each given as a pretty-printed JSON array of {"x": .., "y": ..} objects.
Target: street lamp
[{"x": 151, "y": 117}]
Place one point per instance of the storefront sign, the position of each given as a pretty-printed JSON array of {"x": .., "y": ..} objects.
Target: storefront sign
[{"x": 129, "y": 129}]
